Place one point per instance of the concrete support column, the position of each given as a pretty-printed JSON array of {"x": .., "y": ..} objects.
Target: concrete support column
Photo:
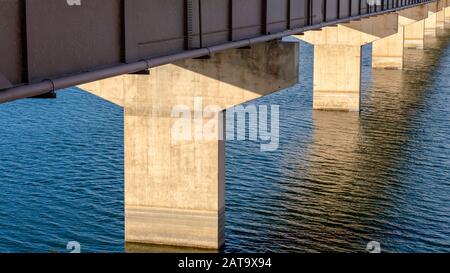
[
  {"x": 175, "y": 184},
  {"x": 337, "y": 77},
  {"x": 447, "y": 13},
  {"x": 337, "y": 59},
  {"x": 440, "y": 19},
  {"x": 440, "y": 14},
  {"x": 388, "y": 52},
  {"x": 431, "y": 21},
  {"x": 414, "y": 35}
]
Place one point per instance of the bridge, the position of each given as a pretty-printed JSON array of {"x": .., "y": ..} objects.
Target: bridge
[{"x": 149, "y": 56}]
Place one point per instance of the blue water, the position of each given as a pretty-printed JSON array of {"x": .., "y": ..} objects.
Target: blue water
[{"x": 338, "y": 181}]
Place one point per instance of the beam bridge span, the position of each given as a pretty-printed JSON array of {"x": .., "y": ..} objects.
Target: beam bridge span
[
  {"x": 54, "y": 44},
  {"x": 150, "y": 56}
]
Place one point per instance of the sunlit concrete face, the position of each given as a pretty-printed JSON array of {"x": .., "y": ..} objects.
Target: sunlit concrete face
[
  {"x": 431, "y": 21},
  {"x": 337, "y": 59},
  {"x": 388, "y": 53},
  {"x": 174, "y": 191},
  {"x": 337, "y": 82},
  {"x": 440, "y": 14},
  {"x": 414, "y": 35},
  {"x": 447, "y": 14},
  {"x": 440, "y": 19}
]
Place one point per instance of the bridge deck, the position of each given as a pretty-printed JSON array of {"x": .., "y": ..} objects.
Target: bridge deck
[{"x": 78, "y": 41}]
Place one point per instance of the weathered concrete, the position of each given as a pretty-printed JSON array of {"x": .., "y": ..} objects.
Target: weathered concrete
[
  {"x": 174, "y": 190},
  {"x": 337, "y": 81},
  {"x": 440, "y": 19},
  {"x": 388, "y": 53},
  {"x": 431, "y": 21},
  {"x": 415, "y": 35},
  {"x": 440, "y": 14},
  {"x": 337, "y": 59},
  {"x": 447, "y": 13}
]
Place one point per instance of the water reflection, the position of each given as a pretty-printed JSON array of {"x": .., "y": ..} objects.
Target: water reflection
[
  {"x": 338, "y": 181},
  {"x": 363, "y": 177},
  {"x": 147, "y": 248}
]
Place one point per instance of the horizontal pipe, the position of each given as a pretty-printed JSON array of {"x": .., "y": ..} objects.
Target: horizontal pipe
[{"x": 50, "y": 85}]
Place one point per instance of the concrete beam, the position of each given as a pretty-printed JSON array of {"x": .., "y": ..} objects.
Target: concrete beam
[
  {"x": 361, "y": 32},
  {"x": 174, "y": 189},
  {"x": 412, "y": 15},
  {"x": 337, "y": 59}
]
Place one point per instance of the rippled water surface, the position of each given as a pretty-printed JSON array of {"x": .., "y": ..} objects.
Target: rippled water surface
[{"x": 338, "y": 181}]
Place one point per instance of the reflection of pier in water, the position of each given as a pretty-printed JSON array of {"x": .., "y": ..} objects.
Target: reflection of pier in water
[
  {"x": 227, "y": 53},
  {"x": 353, "y": 159},
  {"x": 148, "y": 248}
]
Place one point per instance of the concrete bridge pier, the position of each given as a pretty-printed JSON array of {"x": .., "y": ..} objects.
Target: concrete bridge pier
[
  {"x": 388, "y": 53},
  {"x": 175, "y": 183},
  {"x": 431, "y": 21},
  {"x": 415, "y": 35},
  {"x": 440, "y": 15},
  {"x": 337, "y": 59},
  {"x": 447, "y": 13}
]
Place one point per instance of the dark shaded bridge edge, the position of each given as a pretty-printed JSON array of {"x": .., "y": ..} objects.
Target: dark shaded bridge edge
[{"x": 54, "y": 84}]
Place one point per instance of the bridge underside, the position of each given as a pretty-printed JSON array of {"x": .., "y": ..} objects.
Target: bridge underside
[
  {"x": 97, "y": 37},
  {"x": 175, "y": 187},
  {"x": 337, "y": 51}
]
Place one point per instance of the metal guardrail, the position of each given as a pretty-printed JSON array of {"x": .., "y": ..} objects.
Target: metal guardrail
[{"x": 97, "y": 42}]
